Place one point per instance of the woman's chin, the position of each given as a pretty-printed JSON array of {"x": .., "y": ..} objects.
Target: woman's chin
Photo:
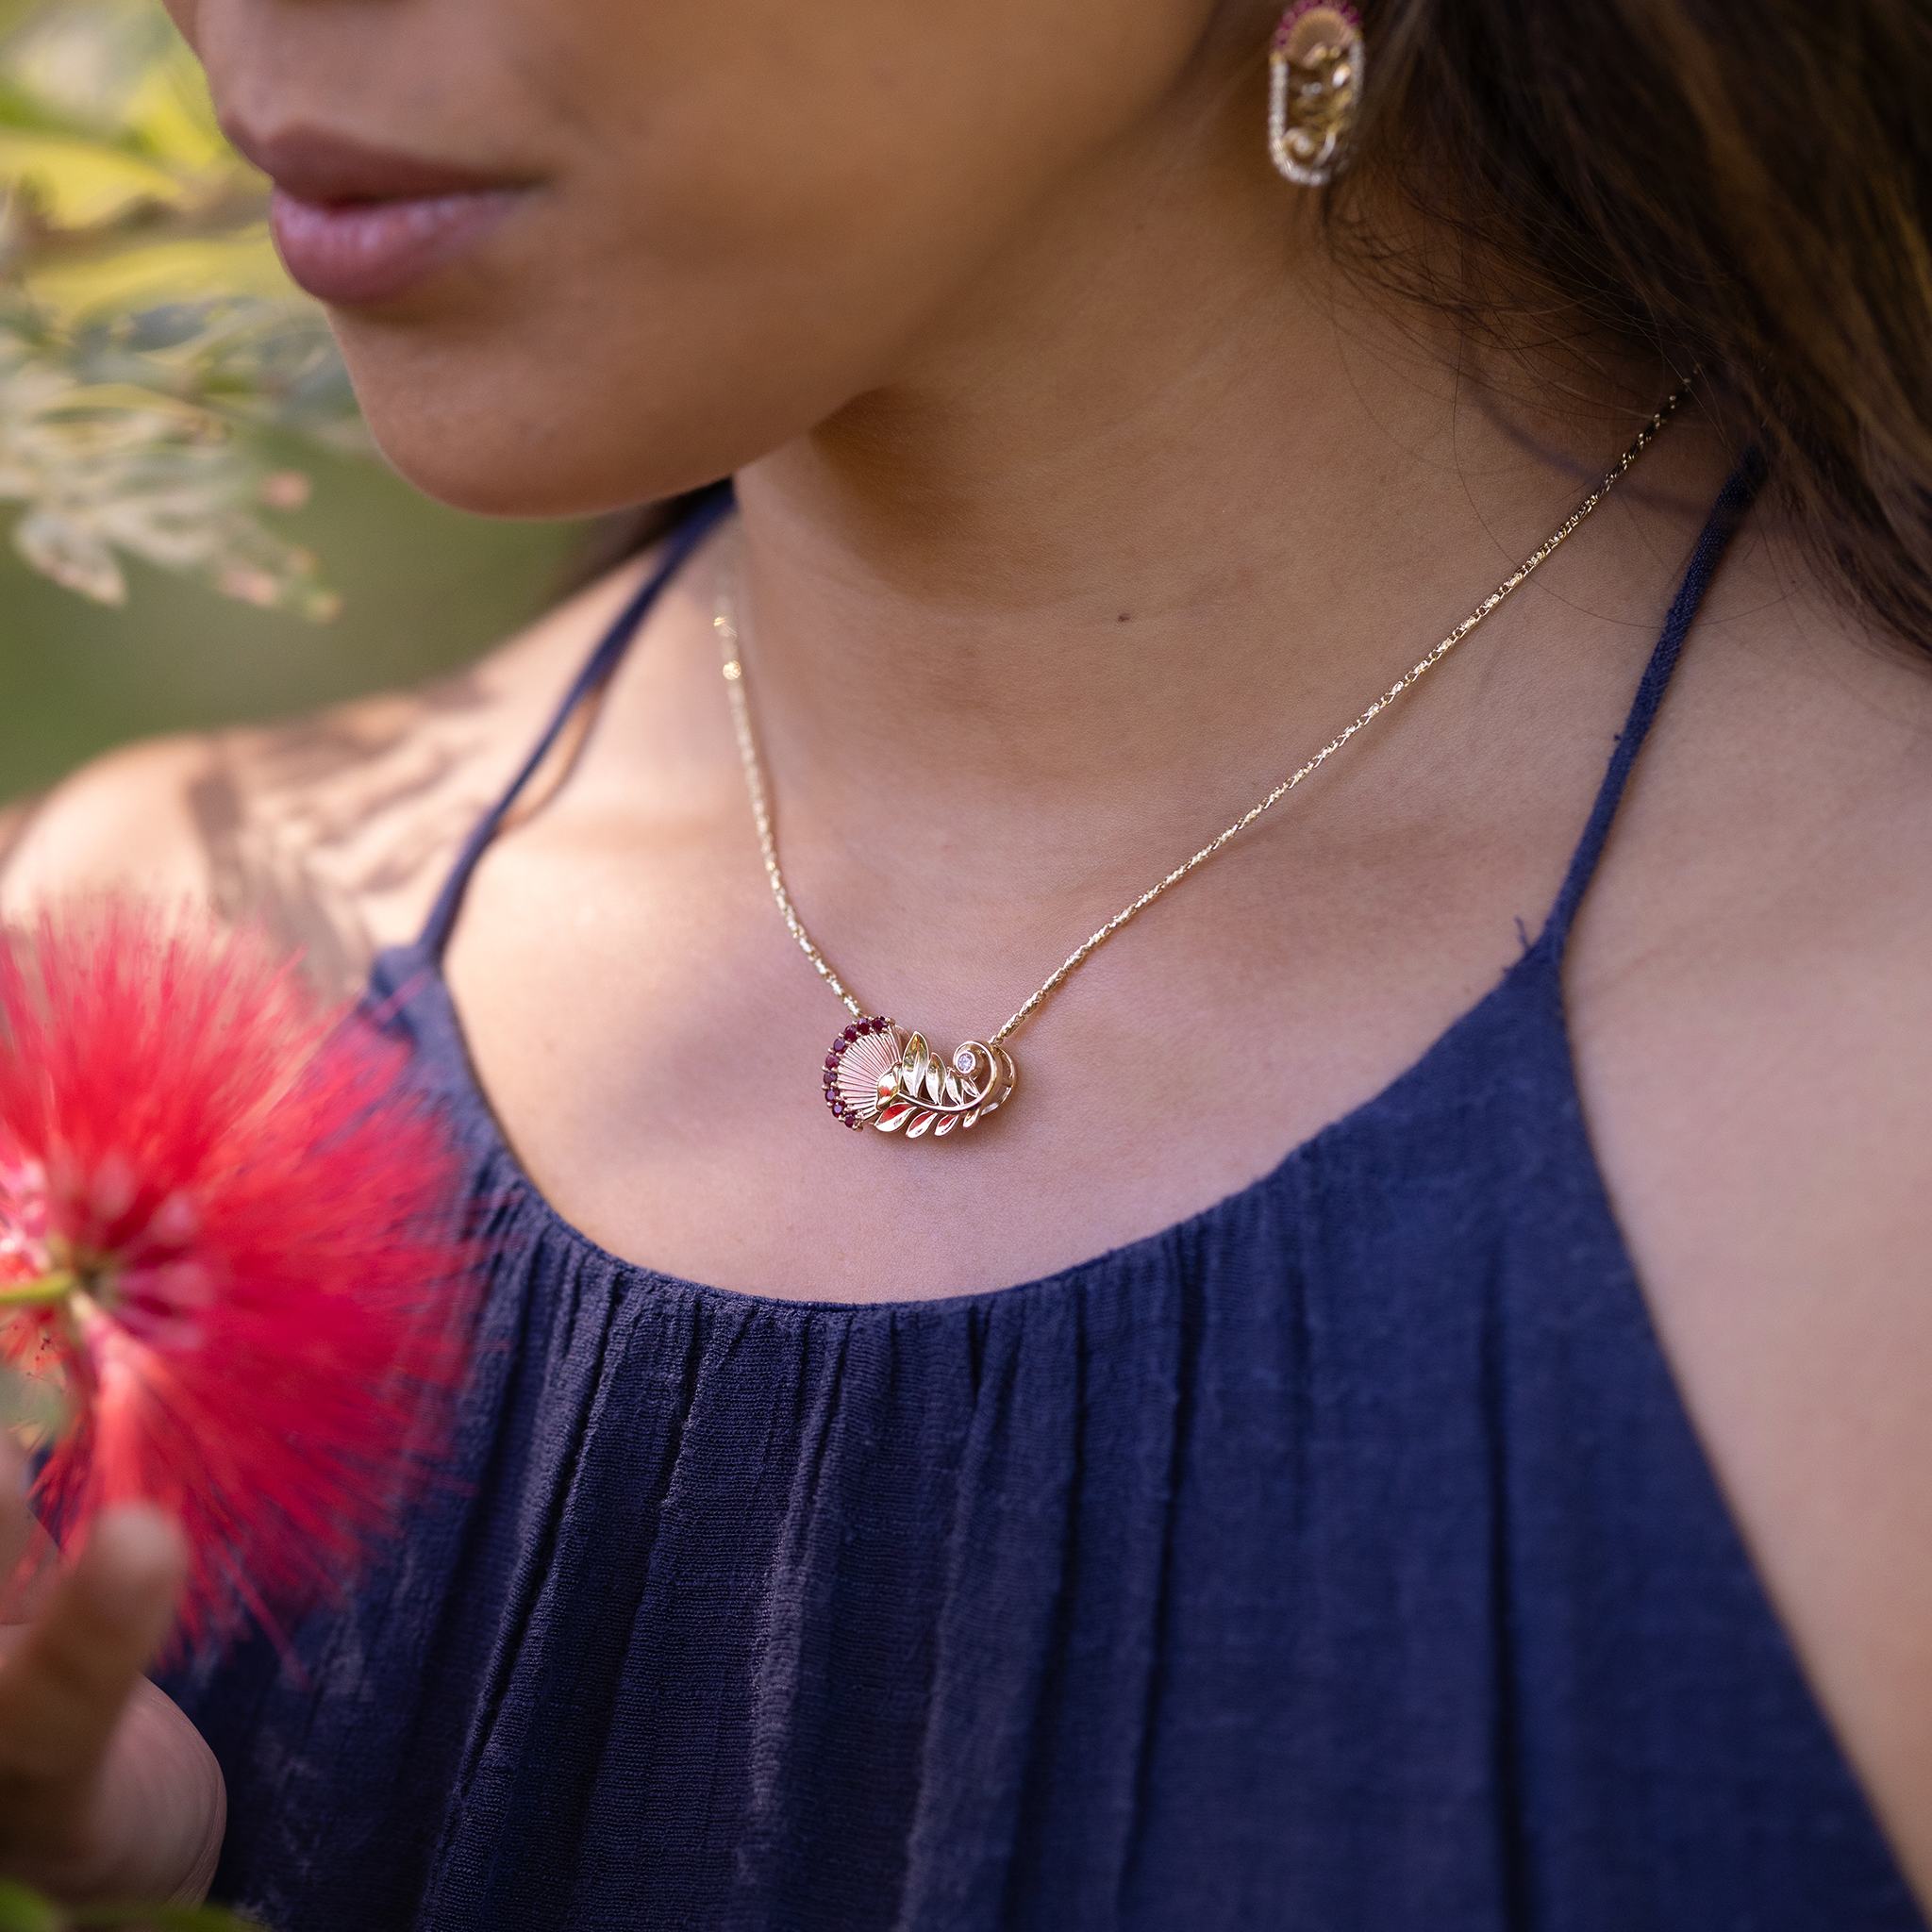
[
  {"x": 521, "y": 442},
  {"x": 545, "y": 407},
  {"x": 488, "y": 473},
  {"x": 482, "y": 484}
]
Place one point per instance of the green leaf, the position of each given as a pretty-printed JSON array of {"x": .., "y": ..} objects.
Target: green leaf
[
  {"x": 21, "y": 1910},
  {"x": 81, "y": 184},
  {"x": 150, "y": 341},
  {"x": 14, "y": 14}
]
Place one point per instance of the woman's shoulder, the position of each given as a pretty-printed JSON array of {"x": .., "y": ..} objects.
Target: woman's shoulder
[{"x": 335, "y": 829}]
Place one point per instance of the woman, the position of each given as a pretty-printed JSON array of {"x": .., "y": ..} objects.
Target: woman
[{"x": 1479, "y": 1482}]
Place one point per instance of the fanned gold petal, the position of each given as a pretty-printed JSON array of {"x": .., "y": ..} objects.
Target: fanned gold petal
[{"x": 896, "y": 1083}]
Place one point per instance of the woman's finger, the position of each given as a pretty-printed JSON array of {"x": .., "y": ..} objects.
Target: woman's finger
[
  {"x": 17, "y": 1525},
  {"x": 62, "y": 1692}
]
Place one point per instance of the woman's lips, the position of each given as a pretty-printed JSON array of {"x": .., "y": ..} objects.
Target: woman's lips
[
  {"x": 350, "y": 253},
  {"x": 357, "y": 222}
]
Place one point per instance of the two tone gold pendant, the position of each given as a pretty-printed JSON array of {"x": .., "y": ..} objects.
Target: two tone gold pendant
[{"x": 878, "y": 1076}]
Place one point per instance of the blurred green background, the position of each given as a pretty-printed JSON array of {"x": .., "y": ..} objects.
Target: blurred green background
[
  {"x": 424, "y": 589},
  {"x": 163, "y": 392}
]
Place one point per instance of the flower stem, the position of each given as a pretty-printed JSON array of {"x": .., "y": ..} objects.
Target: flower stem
[{"x": 47, "y": 1291}]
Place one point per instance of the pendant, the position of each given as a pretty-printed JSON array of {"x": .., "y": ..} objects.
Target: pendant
[{"x": 878, "y": 1076}]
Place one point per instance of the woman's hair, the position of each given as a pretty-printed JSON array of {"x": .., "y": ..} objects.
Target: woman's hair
[{"x": 1739, "y": 187}]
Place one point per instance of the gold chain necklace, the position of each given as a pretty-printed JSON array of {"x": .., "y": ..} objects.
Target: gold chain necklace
[{"x": 877, "y": 1074}]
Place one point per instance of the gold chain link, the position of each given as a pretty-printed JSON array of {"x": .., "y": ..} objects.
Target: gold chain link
[
  {"x": 725, "y": 624},
  {"x": 754, "y": 783}
]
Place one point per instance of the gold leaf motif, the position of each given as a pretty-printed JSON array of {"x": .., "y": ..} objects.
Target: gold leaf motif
[{"x": 896, "y": 1083}]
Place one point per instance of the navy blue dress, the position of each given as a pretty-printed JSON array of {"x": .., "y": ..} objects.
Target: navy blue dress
[{"x": 1338, "y": 1561}]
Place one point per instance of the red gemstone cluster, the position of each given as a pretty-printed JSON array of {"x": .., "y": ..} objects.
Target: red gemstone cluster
[
  {"x": 1283, "y": 33},
  {"x": 847, "y": 1039}
]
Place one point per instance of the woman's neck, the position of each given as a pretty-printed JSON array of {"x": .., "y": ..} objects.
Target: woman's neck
[
  {"x": 1010, "y": 593},
  {"x": 1159, "y": 503}
]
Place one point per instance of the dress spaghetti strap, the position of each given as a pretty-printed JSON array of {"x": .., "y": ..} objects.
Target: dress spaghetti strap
[
  {"x": 698, "y": 524},
  {"x": 1340, "y": 1556},
  {"x": 1728, "y": 512},
  {"x": 711, "y": 509}
]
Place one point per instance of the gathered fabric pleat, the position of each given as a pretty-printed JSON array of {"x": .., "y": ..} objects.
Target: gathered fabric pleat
[
  {"x": 1340, "y": 1561},
  {"x": 1340, "y": 1558}
]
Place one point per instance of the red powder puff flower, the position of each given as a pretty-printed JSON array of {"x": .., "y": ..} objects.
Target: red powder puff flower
[{"x": 230, "y": 1233}]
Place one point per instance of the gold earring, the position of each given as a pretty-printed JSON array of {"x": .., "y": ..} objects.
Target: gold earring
[{"x": 1315, "y": 68}]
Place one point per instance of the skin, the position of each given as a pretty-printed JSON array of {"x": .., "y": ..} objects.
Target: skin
[
  {"x": 106, "y": 1790},
  {"x": 1082, "y": 497}
]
